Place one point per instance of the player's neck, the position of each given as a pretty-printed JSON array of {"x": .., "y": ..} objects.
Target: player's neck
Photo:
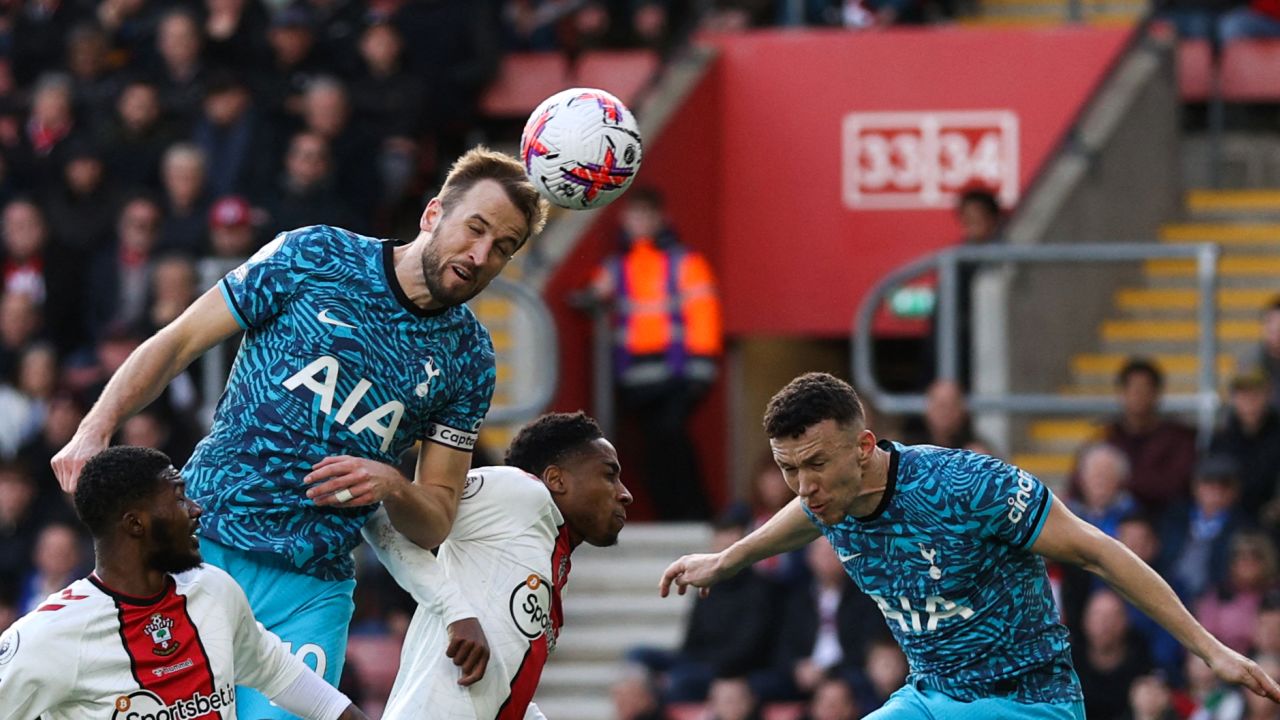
[
  {"x": 127, "y": 578},
  {"x": 408, "y": 269},
  {"x": 875, "y": 480}
]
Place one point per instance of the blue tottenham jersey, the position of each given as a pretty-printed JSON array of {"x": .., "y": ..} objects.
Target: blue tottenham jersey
[
  {"x": 945, "y": 557},
  {"x": 335, "y": 361}
]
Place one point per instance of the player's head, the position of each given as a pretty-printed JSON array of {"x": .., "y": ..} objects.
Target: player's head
[
  {"x": 817, "y": 431},
  {"x": 979, "y": 214},
  {"x": 580, "y": 467},
  {"x": 134, "y": 496},
  {"x": 485, "y": 212}
]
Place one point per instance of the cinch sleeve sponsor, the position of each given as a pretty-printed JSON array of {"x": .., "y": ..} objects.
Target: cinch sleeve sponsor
[
  {"x": 259, "y": 289},
  {"x": 1011, "y": 504}
]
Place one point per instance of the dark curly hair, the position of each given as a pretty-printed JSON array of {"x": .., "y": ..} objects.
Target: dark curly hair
[
  {"x": 807, "y": 401},
  {"x": 550, "y": 439},
  {"x": 1140, "y": 366},
  {"x": 115, "y": 480}
]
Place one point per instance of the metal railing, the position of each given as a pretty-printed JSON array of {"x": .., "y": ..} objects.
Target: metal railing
[
  {"x": 1203, "y": 402},
  {"x": 539, "y": 350}
]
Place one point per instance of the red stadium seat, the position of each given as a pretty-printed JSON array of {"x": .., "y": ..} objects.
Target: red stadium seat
[
  {"x": 1195, "y": 69},
  {"x": 524, "y": 80},
  {"x": 686, "y": 711},
  {"x": 376, "y": 659},
  {"x": 1251, "y": 71},
  {"x": 784, "y": 711},
  {"x": 625, "y": 73}
]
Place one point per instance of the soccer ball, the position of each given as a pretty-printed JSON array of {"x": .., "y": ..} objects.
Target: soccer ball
[{"x": 581, "y": 148}]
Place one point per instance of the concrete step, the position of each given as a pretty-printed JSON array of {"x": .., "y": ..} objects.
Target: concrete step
[
  {"x": 570, "y": 677},
  {"x": 1234, "y": 202},
  {"x": 586, "y": 706},
  {"x": 1109, "y": 364},
  {"x": 1178, "y": 330},
  {"x": 1250, "y": 299},
  {"x": 1225, "y": 282},
  {"x": 608, "y": 643},
  {"x": 1223, "y": 232},
  {"x": 588, "y": 609},
  {"x": 1147, "y": 348},
  {"x": 1255, "y": 266},
  {"x": 632, "y": 577}
]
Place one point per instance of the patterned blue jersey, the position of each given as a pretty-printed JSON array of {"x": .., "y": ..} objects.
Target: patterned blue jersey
[
  {"x": 945, "y": 556},
  {"x": 336, "y": 360}
]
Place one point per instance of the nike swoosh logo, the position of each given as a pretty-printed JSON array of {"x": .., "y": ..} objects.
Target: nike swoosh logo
[
  {"x": 327, "y": 320},
  {"x": 846, "y": 558}
]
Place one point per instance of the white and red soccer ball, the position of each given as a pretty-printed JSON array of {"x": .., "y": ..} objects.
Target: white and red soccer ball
[{"x": 581, "y": 148}]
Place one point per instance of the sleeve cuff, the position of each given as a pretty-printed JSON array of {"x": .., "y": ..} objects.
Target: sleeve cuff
[
  {"x": 231, "y": 304},
  {"x": 1042, "y": 516}
]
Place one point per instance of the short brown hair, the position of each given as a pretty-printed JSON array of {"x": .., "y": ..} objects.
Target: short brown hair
[
  {"x": 481, "y": 163},
  {"x": 807, "y": 401}
]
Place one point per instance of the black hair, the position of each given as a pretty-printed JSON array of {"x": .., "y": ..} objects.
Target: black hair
[
  {"x": 1140, "y": 366},
  {"x": 807, "y": 401},
  {"x": 549, "y": 439},
  {"x": 646, "y": 196},
  {"x": 982, "y": 198},
  {"x": 1272, "y": 305},
  {"x": 114, "y": 480}
]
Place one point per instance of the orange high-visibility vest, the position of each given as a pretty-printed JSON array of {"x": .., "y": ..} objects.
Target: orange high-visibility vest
[{"x": 666, "y": 314}]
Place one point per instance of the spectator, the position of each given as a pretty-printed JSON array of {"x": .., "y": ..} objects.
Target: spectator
[
  {"x": 1150, "y": 699},
  {"x": 384, "y": 97},
  {"x": 1107, "y": 658},
  {"x": 1257, "y": 19},
  {"x": 94, "y": 86},
  {"x": 885, "y": 671},
  {"x": 234, "y": 141},
  {"x": 20, "y": 522},
  {"x": 21, "y": 411},
  {"x": 1103, "y": 499},
  {"x": 120, "y": 275},
  {"x": 326, "y": 112},
  {"x": 279, "y": 85},
  {"x": 1267, "y": 357},
  {"x": 1161, "y": 451},
  {"x": 1267, "y": 636},
  {"x": 38, "y": 159},
  {"x": 186, "y": 201},
  {"x": 1197, "y": 536},
  {"x": 174, "y": 286},
  {"x": 337, "y": 26},
  {"x": 945, "y": 422},
  {"x": 731, "y": 16},
  {"x": 40, "y": 29},
  {"x": 56, "y": 563},
  {"x": 635, "y": 697},
  {"x": 824, "y": 630},
  {"x": 732, "y": 699},
  {"x": 1229, "y": 610},
  {"x": 81, "y": 208},
  {"x": 25, "y": 250},
  {"x": 231, "y": 228},
  {"x": 1257, "y": 708},
  {"x": 833, "y": 699},
  {"x": 1138, "y": 533},
  {"x": 64, "y": 416},
  {"x": 1251, "y": 436},
  {"x": 728, "y": 631},
  {"x": 134, "y": 140},
  {"x": 307, "y": 194},
  {"x": 666, "y": 320},
  {"x": 769, "y": 494},
  {"x": 235, "y": 34},
  {"x": 180, "y": 76}
]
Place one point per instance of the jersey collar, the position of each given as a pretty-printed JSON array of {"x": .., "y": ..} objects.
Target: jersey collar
[
  {"x": 130, "y": 599},
  {"x": 890, "y": 485}
]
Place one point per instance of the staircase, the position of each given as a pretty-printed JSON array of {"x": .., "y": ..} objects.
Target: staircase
[
  {"x": 1157, "y": 318},
  {"x": 612, "y": 604}
]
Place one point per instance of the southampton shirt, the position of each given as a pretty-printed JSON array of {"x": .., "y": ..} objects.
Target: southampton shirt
[
  {"x": 90, "y": 653},
  {"x": 506, "y": 562}
]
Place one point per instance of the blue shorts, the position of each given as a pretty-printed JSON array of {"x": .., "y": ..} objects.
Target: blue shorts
[
  {"x": 912, "y": 704},
  {"x": 310, "y": 615}
]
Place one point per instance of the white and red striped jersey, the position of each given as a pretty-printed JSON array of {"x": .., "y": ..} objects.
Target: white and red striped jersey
[
  {"x": 90, "y": 653},
  {"x": 505, "y": 562}
]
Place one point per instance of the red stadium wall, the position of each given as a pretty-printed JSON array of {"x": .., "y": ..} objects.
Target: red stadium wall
[{"x": 756, "y": 167}]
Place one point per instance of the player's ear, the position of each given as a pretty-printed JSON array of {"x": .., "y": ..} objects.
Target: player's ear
[
  {"x": 866, "y": 444},
  {"x": 431, "y": 215},
  {"x": 134, "y": 523},
  {"x": 554, "y": 478}
]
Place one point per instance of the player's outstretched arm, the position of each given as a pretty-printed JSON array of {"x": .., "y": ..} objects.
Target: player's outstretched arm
[
  {"x": 1067, "y": 538},
  {"x": 787, "y": 530},
  {"x": 143, "y": 376}
]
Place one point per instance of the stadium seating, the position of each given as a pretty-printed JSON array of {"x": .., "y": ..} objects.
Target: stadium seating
[
  {"x": 376, "y": 659},
  {"x": 1250, "y": 71},
  {"x": 526, "y": 79},
  {"x": 698, "y": 711}
]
